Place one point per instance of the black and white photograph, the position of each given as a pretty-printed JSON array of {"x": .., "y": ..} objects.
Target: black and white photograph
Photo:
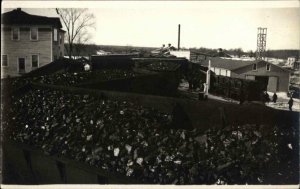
[{"x": 150, "y": 94}]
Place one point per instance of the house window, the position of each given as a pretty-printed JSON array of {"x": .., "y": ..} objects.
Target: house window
[
  {"x": 268, "y": 67},
  {"x": 55, "y": 34},
  {"x": 34, "y": 34},
  {"x": 34, "y": 61},
  {"x": 21, "y": 65},
  {"x": 217, "y": 71},
  {"x": 4, "y": 61},
  {"x": 60, "y": 39},
  {"x": 15, "y": 33},
  {"x": 228, "y": 73},
  {"x": 223, "y": 72},
  {"x": 254, "y": 67}
]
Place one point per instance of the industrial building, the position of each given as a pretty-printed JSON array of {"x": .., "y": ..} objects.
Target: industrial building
[
  {"x": 293, "y": 62},
  {"x": 273, "y": 77}
]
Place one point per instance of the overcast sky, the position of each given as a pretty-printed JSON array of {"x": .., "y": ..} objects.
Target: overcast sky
[{"x": 203, "y": 24}]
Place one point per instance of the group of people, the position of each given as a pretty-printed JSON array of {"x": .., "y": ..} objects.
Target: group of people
[
  {"x": 163, "y": 51},
  {"x": 168, "y": 48},
  {"x": 266, "y": 99}
]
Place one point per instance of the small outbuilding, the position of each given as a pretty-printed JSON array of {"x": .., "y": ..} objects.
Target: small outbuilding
[{"x": 273, "y": 77}]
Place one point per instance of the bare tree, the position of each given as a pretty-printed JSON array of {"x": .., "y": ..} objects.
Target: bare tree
[
  {"x": 80, "y": 43},
  {"x": 251, "y": 53},
  {"x": 76, "y": 21},
  {"x": 238, "y": 51}
]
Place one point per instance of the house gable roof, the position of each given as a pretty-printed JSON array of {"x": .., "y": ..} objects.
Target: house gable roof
[
  {"x": 228, "y": 64},
  {"x": 19, "y": 17},
  {"x": 232, "y": 65}
]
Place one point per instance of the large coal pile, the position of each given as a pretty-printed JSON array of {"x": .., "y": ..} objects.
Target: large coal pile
[
  {"x": 150, "y": 84},
  {"x": 123, "y": 137},
  {"x": 62, "y": 64},
  {"x": 160, "y": 64},
  {"x": 117, "y": 61},
  {"x": 72, "y": 79},
  {"x": 164, "y": 84}
]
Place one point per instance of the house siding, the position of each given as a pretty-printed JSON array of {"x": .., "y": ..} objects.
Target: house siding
[
  {"x": 221, "y": 71},
  {"x": 57, "y": 47},
  {"x": 25, "y": 47},
  {"x": 283, "y": 76}
]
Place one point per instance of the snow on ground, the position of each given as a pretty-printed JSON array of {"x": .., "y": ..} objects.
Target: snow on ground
[
  {"x": 275, "y": 60},
  {"x": 243, "y": 58},
  {"x": 282, "y": 98},
  {"x": 282, "y": 102}
]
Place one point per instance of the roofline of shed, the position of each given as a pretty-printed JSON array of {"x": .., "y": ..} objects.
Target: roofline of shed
[{"x": 255, "y": 61}]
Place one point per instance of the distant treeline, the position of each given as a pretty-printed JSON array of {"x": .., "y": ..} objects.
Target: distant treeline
[
  {"x": 91, "y": 49},
  {"x": 283, "y": 54},
  {"x": 234, "y": 52}
]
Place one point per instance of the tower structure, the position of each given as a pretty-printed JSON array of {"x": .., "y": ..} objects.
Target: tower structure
[{"x": 261, "y": 43}]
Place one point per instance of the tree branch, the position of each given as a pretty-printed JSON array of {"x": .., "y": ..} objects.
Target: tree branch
[{"x": 76, "y": 22}]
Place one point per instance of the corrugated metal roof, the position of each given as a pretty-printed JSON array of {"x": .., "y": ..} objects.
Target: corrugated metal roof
[{"x": 19, "y": 17}]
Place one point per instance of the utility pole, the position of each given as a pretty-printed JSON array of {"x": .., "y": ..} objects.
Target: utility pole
[{"x": 208, "y": 78}]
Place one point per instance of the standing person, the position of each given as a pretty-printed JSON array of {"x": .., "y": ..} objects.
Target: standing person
[
  {"x": 201, "y": 85},
  {"x": 274, "y": 97},
  {"x": 291, "y": 101},
  {"x": 169, "y": 47},
  {"x": 163, "y": 49},
  {"x": 201, "y": 91},
  {"x": 205, "y": 90},
  {"x": 267, "y": 97}
]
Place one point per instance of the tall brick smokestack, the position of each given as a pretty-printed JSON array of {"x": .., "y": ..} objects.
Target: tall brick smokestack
[{"x": 178, "y": 36}]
